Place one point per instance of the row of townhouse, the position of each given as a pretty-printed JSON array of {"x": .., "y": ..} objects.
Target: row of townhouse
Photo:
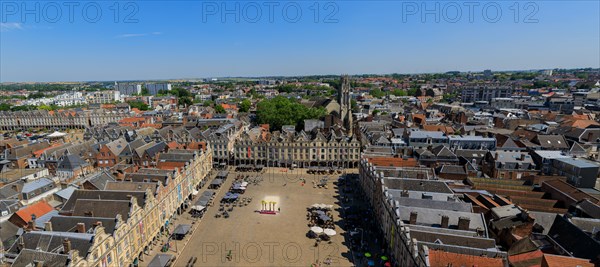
[
  {"x": 423, "y": 222},
  {"x": 57, "y": 119},
  {"x": 115, "y": 226},
  {"x": 296, "y": 148}
]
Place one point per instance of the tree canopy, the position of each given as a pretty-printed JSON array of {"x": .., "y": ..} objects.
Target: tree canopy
[
  {"x": 245, "y": 105},
  {"x": 281, "y": 111},
  {"x": 219, "y": 109},
  {"x": 139, "y": 105}
]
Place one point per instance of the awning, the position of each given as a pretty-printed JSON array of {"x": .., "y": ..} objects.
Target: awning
[
  {"x": 203, "y": 201},
  {"x": 195, "y": 192},
  {"x": 182, "y": 229},
  {"x": 324, "y": 218},
  {"x": 161, "y": 260},
  {"x": 198, "y": 208},
  {"x": 230, "y": 195}
]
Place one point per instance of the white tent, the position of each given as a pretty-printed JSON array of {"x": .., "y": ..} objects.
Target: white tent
[
  {"x": 56, "y": 135},
  {"x": 316, "y": 229},
  {"x": 329, "y": 232}
]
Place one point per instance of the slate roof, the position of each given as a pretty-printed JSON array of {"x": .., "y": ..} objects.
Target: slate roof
[
  {"x": 36, "y": 184},
  {"x": 104, "y": 195},
  {"x": 52, "y": 242},
  {"x": 71, "y": 162},
  {"x": 574, "y": 239},
  {"x": 69, "y": 223},
  {"x": 102, "y": 208},
  {"x": 431, "y": 204},
  {"x": 552, "y": 141},
  {"x": 48, "y": 259},
  {"x": 417, "y": 185},
  {"x": 132, "y": 186},
  {"x": 433, "y": 217},
  {"x": 99, "y": 180},
  {"x": 453, "y": 240},
  {"x": 452, "y": 169}
]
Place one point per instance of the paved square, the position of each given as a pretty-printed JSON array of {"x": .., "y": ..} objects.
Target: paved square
[{"x": 268, "y": 240}]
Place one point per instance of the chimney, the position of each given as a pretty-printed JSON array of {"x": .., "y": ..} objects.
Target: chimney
[
  {"x": 413, "y": 217},
  {"x": 463, "y": 223},
  {"x": 66, "y": 246},
  {"x": 480, "y": 231},
  {"x": 404, "y": 193},
  {"x": 81, "y": 227},
  {"x": 98, "y": 224},
  {"x": 48, "y": 226},
  {"x": 30, "y": 225},
  {"x": 496, "y": 156},
  {"x": 522, "y": 157},
  {"x": 21, "y": 244},
  {"x": 445, "y": 221}
]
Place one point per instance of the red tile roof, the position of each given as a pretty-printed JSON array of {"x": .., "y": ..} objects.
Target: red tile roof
[
  {"x": 528, "y": 259},
  {"x": 37, "y": 209},
  {"x": 550, "y": 260},
  {"x": 439, "y": 258},
  {"x": 393, "y": 162}
]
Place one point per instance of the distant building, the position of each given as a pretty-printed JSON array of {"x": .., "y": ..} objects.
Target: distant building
[
  {"x": 487, "y": 73},
  {"x": 128, "y": 88},
  {"x": 485, "y": 92},
  {"x": 104, "y": 97},
  {"x": 154, "y": 88}
]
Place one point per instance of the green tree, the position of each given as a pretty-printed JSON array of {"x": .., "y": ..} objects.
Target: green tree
[
  {"x": 245, "y": 105},
  {"x": 45, "y": 107},
  {"x": 281, "y": 111},
  {"x": 399, "y": 92},
  {"x": 185, "y": 101},
  {"x": 377, "y": 93},
  {"x": 219, "y": 109},
  {"x": 36, "y": 95},
  {"x": 5, "y": 107},
  {"x": 208, "y": 103},
  {"x": 139, "y": 105}
]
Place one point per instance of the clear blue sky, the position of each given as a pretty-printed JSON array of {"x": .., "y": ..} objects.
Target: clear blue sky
[{"x": 172, "y": 39}]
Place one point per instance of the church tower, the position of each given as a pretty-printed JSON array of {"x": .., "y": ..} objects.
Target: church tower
[{"x": 343, "y": 98}]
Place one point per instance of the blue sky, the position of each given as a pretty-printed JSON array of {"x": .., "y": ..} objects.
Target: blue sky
[{"x": 195, "y": 39}]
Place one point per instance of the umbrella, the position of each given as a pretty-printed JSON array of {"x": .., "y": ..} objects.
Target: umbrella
[
  {"x": 320, "y": 212},
  {"x": 316, "y": 229},
  {"x": 387, "y": 264},
  {"x": 371, "y": 263},
  {"x": 368, "y": 255},
  {"x": 384, "y": 258},
  {"x": 329, "y": 232}
]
